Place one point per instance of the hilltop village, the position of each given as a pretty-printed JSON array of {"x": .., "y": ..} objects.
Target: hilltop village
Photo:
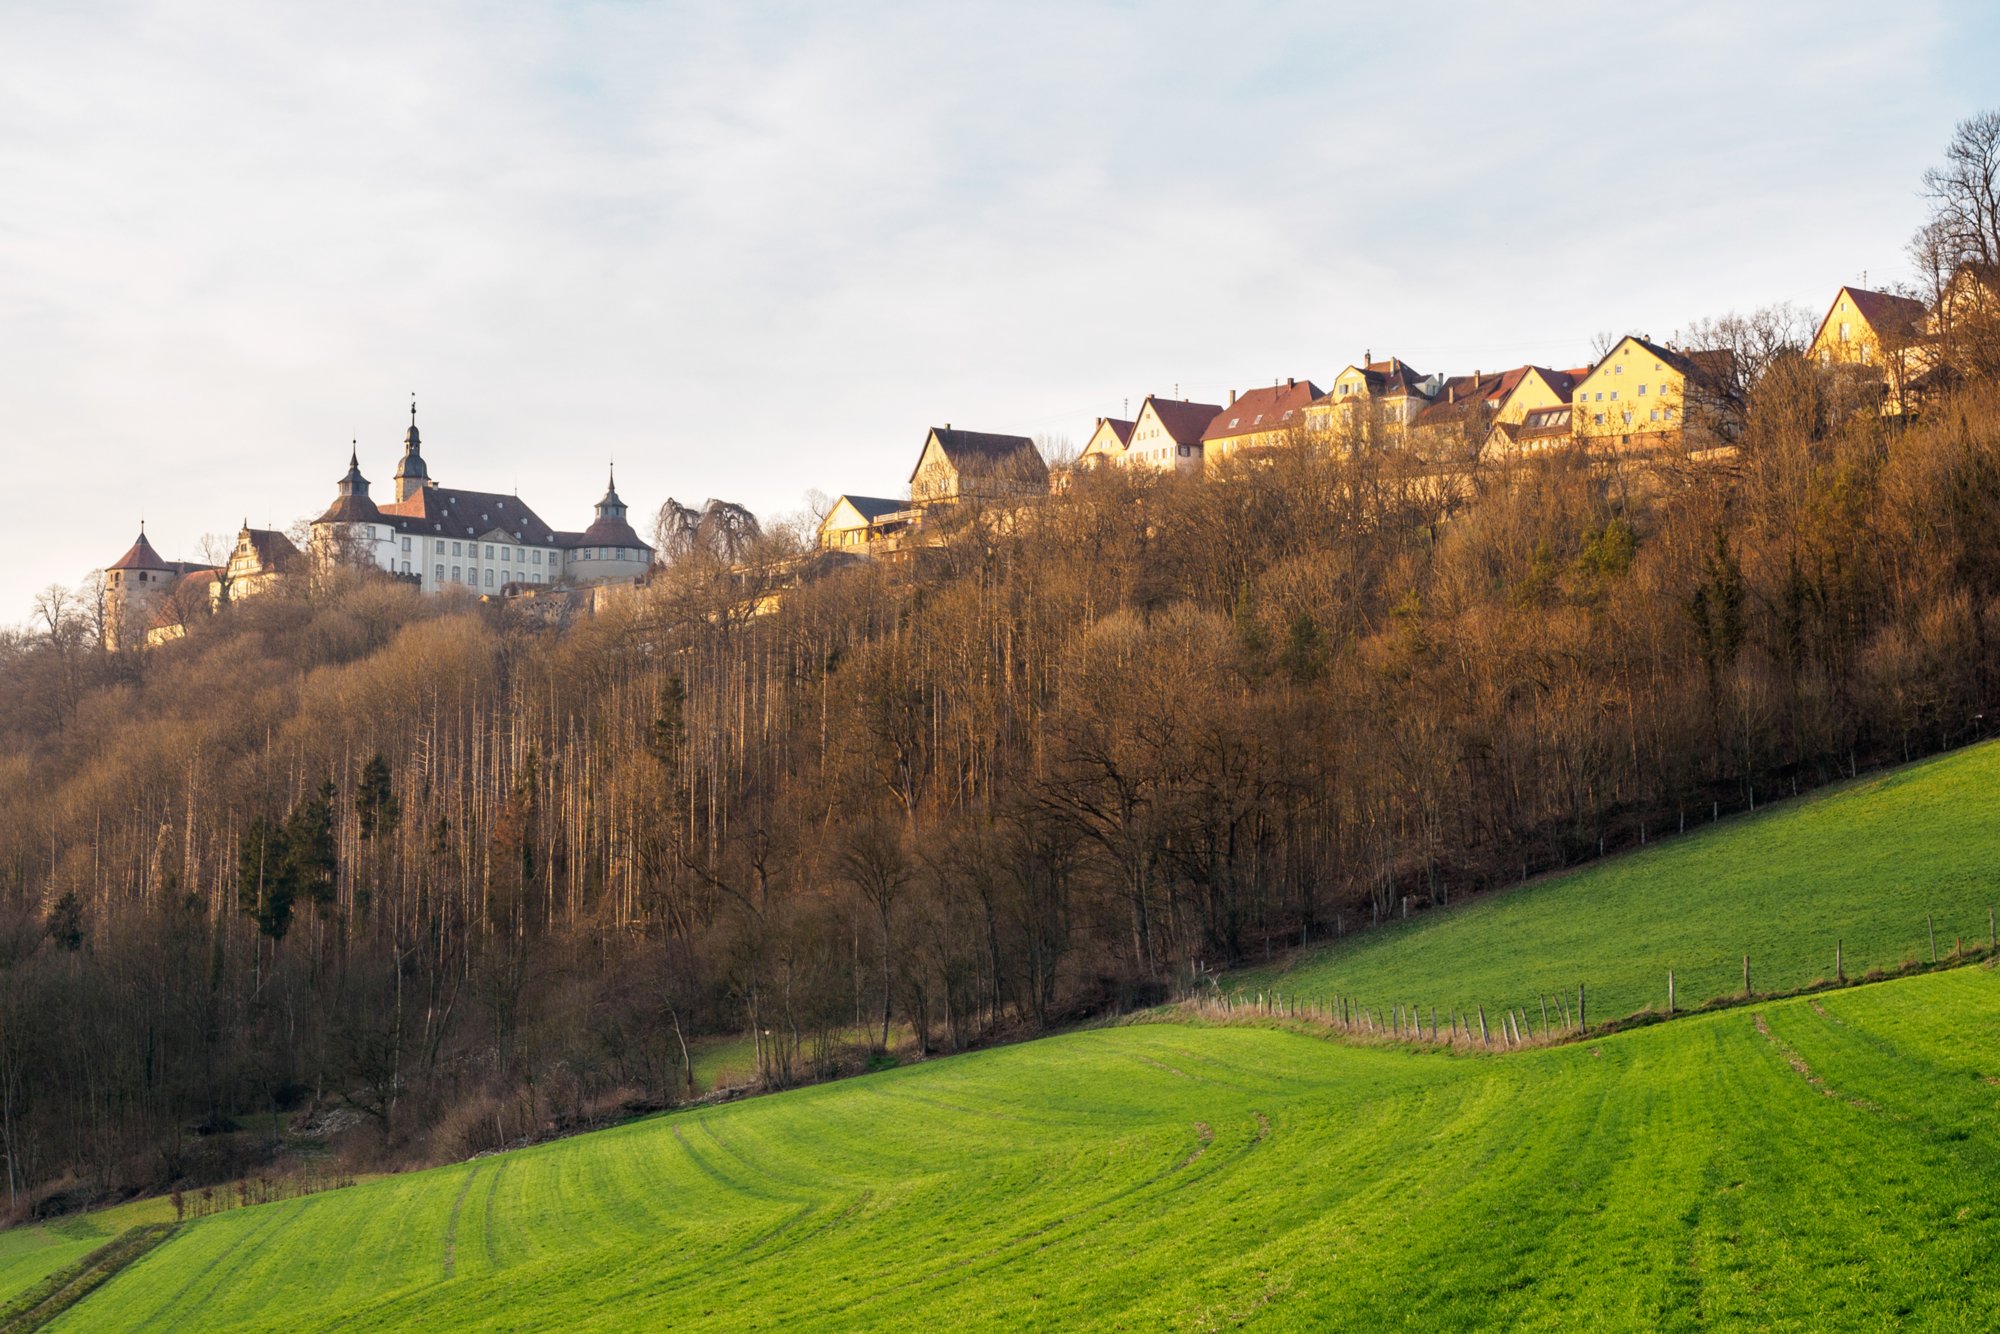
[{"x": 1641, "y": 398}]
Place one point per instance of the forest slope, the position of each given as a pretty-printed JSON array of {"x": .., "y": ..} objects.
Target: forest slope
[
  {"x": 1807, "y": 1163},
  {"x": 1863, "y": 866}
]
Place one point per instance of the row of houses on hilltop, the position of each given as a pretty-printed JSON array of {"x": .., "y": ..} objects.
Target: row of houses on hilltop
[{"x": 1635, "y": 399}]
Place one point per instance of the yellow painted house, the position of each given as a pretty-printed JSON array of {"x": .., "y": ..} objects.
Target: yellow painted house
[
  {"x": 1864, "y": 328},
  {"x": 855, "y": 521},
  {"x": 1107, "y": 443},
  {"x": 1257, "y": 422},
  {"x": 1534, "y": 392},
  {"x": 1637, "y": 396},
  {"x": 1373, "y": 401},
  {"x": 976, "y": 466}
]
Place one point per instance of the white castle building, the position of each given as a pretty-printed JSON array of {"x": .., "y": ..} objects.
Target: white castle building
[{"x": 441, "y": 538}]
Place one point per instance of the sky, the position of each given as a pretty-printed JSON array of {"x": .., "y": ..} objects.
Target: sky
[{"x": 755, "y": 251}]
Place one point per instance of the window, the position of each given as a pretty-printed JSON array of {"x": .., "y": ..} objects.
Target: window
[
  {"x": 489, "y": 578},
  {"x": 1642, "y": 391},
  {"x": 1619, "y": 369},
  {"x": 489, "y": 551},
  {"x": 506, "y": 553},
  {"x": 440, "y": 550},
  {"x": 1655, "y": 416},
  {"x": 1843, "y": 331},
  {"x": 538, "y": 558},
  {"x": 1599, "y": 419},
  {"x": 506, "y": 576},
  {"x": 1614, "y": 396},
  {"x": 455, "y": 550},
  {"x": 1600, "y": 395},
  {"x": 406, "y": 547},
  {"x": 1628, "y": 416},
  {"x": 1668, "y": 413},
  {"x": 457, "y": 574}
]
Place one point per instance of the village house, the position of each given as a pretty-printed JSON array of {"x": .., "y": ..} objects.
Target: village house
[
  {"x": 1256, "y": 422},
  {"x": 1167, "y": 434},
  {"x": 976, "y": 466},
  {"x": 1108, "y": 442},
  {"x": 1637, "y": 396},
  {"x": 854, "y": 523},
  {"x": 1536, "y": 391},
  {"x": 1456, "y": 422},
  {"x": 1876, "y": 338},
  {"x": 1373, "y": 402}
]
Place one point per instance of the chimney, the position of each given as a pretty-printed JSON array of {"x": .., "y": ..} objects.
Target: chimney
[
  {"x": 1232, "y": 398},
  {"x": 1367, "y": 359},
  {"x": 1451, "y": 394},
  {"x": 1290, "y": 382}
]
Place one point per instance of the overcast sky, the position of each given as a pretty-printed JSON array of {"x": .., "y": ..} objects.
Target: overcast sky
[{"x": 753, "y": 250}]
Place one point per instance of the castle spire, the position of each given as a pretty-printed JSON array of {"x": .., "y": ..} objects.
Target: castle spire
[{"x": 411, "y": 474}]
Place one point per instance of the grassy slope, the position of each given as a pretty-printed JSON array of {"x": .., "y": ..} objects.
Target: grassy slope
[
  {"x": 1190, "y": 1177},
  {"x": 1862, "y": 864},
  {"x": 30, "y": 1254}
]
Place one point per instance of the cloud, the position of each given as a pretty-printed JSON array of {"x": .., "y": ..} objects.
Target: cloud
[{"x": 755, "y": 250}]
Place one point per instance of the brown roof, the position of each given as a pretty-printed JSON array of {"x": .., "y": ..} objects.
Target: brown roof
[
  {"x": 1261, "y": 410},
  {"x": 986, "y": 452},
  {"x": 1886, "y": 312},
  {"x": 271, "y": 546},
  {"x": 1388, "y": 379},
  {"x": 444, "y": 511},
  {"x": 1186, "y": 423},
  {"x": 351, "y": 509},
  {"x": 1121, "y": 429},
  {"x": 140, "y": 556},
  {"x": 609, "y": 531}
]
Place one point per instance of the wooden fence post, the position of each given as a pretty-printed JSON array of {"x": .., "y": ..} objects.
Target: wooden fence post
[
  {"x": 1670, "y": 993},
  {"x": 1580, "y": 1024},
  {"x": 1482, "y": 1027},
  {"x": 1839, "y": 963},
  {"x": 1545, "y": 1010},
  {"x": 1746, "y": 977},
  {"x": 1930, "y": 925}
]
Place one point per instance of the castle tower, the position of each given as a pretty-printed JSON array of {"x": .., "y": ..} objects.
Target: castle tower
[
  {"x": 411, "y": 474},
  {"x": 133, "y": 587}
]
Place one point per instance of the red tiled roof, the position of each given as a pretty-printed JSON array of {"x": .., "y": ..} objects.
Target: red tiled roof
[
  {"x": 1185, "y": 423},
  {"x": 1121, "y": 429},
  {"x": 1261, "y": 410}
]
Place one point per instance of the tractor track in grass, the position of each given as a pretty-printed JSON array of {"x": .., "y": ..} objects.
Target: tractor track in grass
[
  {"x": 1805, "y": 1071},
  {"x": 451, "y": 1227}
]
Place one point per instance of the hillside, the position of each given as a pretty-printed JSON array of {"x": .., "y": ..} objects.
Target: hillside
[
  {"x": 1862, "y": 865},
  {"x": 1800, "y": 1164}
]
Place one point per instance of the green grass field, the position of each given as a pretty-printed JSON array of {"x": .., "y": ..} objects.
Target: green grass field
[
  {"x": 1862, "y": 864},
  {"x": 1839, "y": 1171}
]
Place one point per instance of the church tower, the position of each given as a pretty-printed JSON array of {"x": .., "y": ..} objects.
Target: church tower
[{"x": 411, "y": 475}]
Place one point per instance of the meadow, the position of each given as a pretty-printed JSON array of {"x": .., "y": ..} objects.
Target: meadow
[
  {"x": 1865, "y": 868},
  {"x": 1816, "y": 1162}
]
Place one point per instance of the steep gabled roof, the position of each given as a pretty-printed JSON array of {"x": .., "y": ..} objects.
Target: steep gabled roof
[
  {"x": 1259, "y": 411},
  {"x": 985, "y": 454},
  {"x": 1884, "y": 312},
  {"x": 271, "y": 546},
  {"x": 1185, "y": 423}
]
